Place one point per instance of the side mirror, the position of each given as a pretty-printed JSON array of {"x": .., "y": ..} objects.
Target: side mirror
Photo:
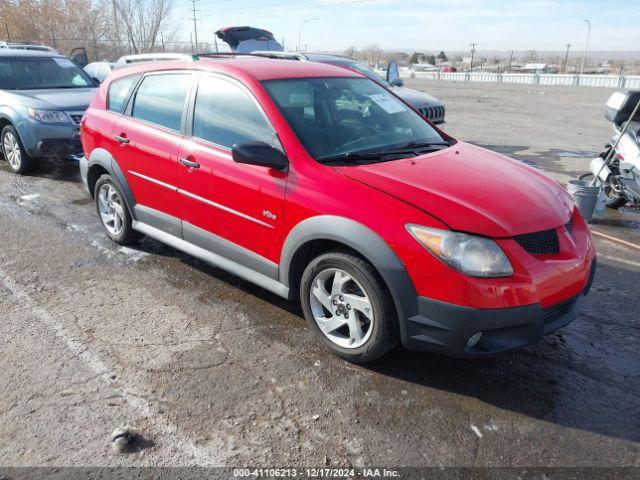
[
  {"x": 259, "y": 153},
  {"x": 397, "y": 82},
  {"x": 393, "y": 74},
  {"x": 97, "y": 80}
]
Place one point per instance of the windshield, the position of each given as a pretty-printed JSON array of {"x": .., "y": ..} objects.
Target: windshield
[
  {"x": 28, "y": 73},
  {"x": 341, "y": 117}
]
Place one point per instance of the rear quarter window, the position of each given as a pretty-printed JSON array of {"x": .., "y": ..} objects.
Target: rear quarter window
[{"x": 119, "y": 92}]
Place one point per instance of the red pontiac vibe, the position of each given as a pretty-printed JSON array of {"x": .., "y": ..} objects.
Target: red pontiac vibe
[{"x": 317, "y": 184}]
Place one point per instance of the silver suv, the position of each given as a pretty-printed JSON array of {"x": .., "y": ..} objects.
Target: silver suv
[{"x": 43, "y": 96}]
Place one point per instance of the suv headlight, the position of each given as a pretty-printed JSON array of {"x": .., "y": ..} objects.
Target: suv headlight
[
  {"x": 469, "y": 254},
  {"x": 49, "y": 116}
]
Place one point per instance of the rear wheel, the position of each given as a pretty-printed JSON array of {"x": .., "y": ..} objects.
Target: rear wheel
[
  {"x": 113, "y": 211},
  {"x": 13, "y": 151},
  {"x": 614, "y": 199},
  {"x": 348, "y": 307}
]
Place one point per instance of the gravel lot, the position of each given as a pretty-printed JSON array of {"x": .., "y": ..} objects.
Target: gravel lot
[{"x": 215, "y": 371}]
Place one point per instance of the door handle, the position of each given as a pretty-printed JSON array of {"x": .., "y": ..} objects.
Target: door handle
[
  {"x": 188, "y": 163},
  {"x": 121, "y": 139}
]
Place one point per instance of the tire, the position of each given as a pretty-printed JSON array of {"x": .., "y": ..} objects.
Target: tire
[
  {"x": 13, "y": 151},
  {"x": 114, "y": 212},
  {"x": 357, "y": 337},
  {"x": 613, "y": 201}
]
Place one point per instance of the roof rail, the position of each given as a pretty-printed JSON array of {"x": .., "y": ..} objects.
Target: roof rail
[{"x": 262, "y": 54}]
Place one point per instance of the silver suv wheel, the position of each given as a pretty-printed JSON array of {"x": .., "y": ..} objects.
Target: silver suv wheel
[
  {"x": 111, "y": 208},
  {"x": 11, "y": 149},
  {"x": 341, "y": 308}
]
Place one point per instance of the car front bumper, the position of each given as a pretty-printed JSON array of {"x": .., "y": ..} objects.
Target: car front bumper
[
  {"x": 446, "y": 328},
  {"x": 50, "y": 140}
]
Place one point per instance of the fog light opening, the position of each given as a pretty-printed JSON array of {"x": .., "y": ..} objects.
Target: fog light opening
[{"x": 474, "y": 339}]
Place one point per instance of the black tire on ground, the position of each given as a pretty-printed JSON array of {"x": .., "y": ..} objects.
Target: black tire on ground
[
  {"x": 613, "y": 201},
  {"x": 22, "y": 164},
  {"x": 127, "y": 235},
  {"x": 385, "y": 333}
]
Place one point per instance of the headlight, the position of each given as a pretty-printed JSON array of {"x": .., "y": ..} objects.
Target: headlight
[
  {"x": 472, "y": 255},
  {"x": 49, "y": 116}
]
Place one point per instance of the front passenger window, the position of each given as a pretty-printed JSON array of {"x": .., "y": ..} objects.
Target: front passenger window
[{"x": 225, "y": 114}]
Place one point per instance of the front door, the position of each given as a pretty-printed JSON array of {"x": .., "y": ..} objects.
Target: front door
[{"x": 240, "y": 207}]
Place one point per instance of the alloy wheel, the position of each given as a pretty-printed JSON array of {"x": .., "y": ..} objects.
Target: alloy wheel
[
  {"x": 111, "y": 209},
  {"x": 341, "y": 308},
  {"x": 12, "y": 151}
]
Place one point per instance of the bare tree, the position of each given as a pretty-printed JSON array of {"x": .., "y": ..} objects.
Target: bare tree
[{"x": 144, "y": 20}]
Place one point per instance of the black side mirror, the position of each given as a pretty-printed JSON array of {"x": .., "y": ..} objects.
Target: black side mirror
[
  {"x": 97, "y": 80},
  {"x": 397, "y": 82},
  {"x": 259, "y": 153}
]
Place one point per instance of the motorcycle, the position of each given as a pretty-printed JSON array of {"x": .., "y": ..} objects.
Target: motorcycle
[{"x": 617, "y": 168}]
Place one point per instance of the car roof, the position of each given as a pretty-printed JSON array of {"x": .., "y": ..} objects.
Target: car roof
[
  {"x": 257, "y": 67},
  {"x": 16, "y": 52}
]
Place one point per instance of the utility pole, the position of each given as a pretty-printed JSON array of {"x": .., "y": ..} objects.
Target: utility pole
[
  {"x": 195, "y": 25},
  {"x": 510, "y": 62},
  {"x": 473, "y": 51},
  {"x": 566, "y": 58},
  {"x": 6, "y": 27},
  {"x": 586, "y": 47},
  {"x": 115, "y": 22},
  {"x": 162, "y": 40}
]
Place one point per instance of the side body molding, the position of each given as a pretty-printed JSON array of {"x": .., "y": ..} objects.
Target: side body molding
[
  {"x": 100, "y": 156},
  {"x": 363, "y": 240}
]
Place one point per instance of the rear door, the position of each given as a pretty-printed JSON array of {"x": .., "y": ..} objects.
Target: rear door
[
  {"x": 241, "y": 204},
  {"x": 146, "y": 141}
]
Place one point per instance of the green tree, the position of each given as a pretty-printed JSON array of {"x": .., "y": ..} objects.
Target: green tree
[{"x": 442, "y": 57}]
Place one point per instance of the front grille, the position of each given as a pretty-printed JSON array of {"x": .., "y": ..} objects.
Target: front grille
[
  {"x": 540, "y": 243},
  {"x": 435, "y": 114}
]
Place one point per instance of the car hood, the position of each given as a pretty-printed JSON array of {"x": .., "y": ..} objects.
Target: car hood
[
  {"x": 415, "y": 98},
  {"x": 472, "y": 190},
  {"x": 61, "y": 99}
]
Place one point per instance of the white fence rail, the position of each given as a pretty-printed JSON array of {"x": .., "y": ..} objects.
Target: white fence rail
[{"x": 607, "y": 81}]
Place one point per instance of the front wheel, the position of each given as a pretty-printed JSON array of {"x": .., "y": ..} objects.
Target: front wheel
[
  {"x": 14, "y": 152},
  {"x": 614, "y": 200},
  {"x": 113, "y": 211},
  {"x": 348, "y": 307}
]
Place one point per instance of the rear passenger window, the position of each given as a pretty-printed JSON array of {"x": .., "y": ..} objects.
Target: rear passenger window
[
  {"x": 225, "y": 114},
  {"x": 160, "y": 99},
  {"x": 119, "y": 92}
]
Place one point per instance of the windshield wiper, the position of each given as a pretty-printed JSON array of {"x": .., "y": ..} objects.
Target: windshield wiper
[
  {"x": 351, "y": 157},
  {"x": 380, "y": 155},
  {"x": 417, "y": 146}
]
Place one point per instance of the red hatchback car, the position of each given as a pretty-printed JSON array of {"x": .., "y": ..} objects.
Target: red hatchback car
[{"x": 318, "y": 184}]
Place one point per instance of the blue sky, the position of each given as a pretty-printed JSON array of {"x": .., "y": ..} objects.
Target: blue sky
[{"x": 428, "y": 25}]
